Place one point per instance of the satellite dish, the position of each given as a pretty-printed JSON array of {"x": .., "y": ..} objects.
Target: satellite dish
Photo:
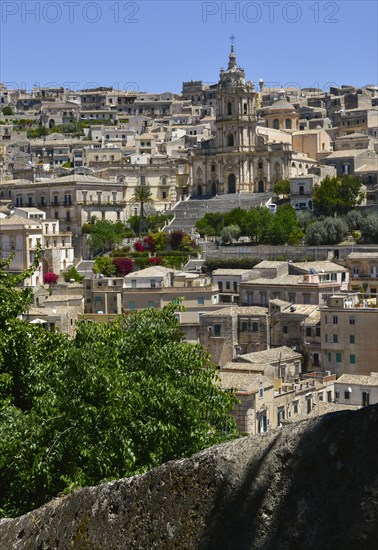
[{"x": 349, "y": 389}]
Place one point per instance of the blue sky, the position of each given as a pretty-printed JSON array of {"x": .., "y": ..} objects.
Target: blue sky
[{"x": 154, "y": 46}]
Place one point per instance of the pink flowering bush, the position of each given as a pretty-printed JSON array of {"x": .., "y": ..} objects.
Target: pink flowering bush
[
  {"x": 138, "y": 246},
  {"x": 155, "y": 261},
  {"x": 50, "y": 278},
  {"x": 148, "y": 243},
  {"x": 123, "y": 266}
]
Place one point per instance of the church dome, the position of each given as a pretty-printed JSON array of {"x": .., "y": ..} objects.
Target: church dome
[{"x": 281, "y": 106}]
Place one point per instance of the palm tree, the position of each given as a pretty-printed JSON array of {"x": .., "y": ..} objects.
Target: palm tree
[{"x": 142, "y": 195}]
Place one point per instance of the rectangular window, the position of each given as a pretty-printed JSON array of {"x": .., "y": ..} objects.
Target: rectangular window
[
  {"x": 337, "y": 394},
  {"x": 329, "y": 356},
  {"x": 352, "y": 359},
  {"x": 285, "y": 329},
  {"x": 352, "y": 320},
  {"x": 244, "y": 326},
  {"x": 217, "y": 330},
  {"x": 255, "y": 326},
  {"x": 228, "y": 285},
  {"x": 131, "y": 306},
  {"x": 317, "y": 331},
  {"x": 308, "y": 331},
  {"x": 152, "y": 283},
  {"x": 201, "y": 301},
  {"x": 295, "y": 407},
  {"x": 335, "y": 338},
  {"x": 346, "y": 395},
  {"x": 133, "y": 283},
  {"x": 334, "y": 319},
  {"x": 338, "y": 357},
  {"x": 352, "y": 339}
]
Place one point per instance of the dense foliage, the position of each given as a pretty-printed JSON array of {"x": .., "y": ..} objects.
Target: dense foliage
[
  {"x": 259, "y": 224},
  {"x": 337, "y": 196},
  {"x": 117, "y": 399},
  {"x": 104, "y": 235},
  {"x": 72, "y": 274}
]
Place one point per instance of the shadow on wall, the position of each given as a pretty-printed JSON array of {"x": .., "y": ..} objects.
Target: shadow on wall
[{"x": 318, "y": 490}]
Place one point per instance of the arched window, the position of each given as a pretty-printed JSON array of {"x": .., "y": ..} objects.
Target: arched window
[
  {"x": 230, "y": 140},
  {"x": 293, "y": 164},
  {"x": 276, "y": 124},
  {"x": 261, "y": 186},
  {"x": 261, "y": 165},
  {"x": 213, "y": 167},
  {"x": 199, "y": 190},
  {"x": 245, "y": 108},
  {"x": 229, "y": 108},
  {"x": 288, "y": 124}
]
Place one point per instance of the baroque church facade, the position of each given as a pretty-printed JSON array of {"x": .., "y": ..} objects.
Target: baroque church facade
[{"x": 242, "y": 156}]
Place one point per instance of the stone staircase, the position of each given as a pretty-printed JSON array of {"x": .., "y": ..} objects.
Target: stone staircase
[{"x": 188, "y": 212}]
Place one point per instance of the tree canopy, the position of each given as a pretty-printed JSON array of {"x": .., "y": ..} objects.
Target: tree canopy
[
  {"x": 259, "y": 224},
  {"x": 115, "y": 400},
  {"x": 104, "y": 235},
  {"x": 337, "y": 196}
]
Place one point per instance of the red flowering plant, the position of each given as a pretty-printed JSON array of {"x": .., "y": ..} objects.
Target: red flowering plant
[
  {"x": 175, "y": 239},
  {"x": 123, "y": 266},
  {"x": 138, "y": 246},
  {"x": 50, "y": 278},
  {"x": 148, "y": 243},
  {"x": 155, "y": 261}
]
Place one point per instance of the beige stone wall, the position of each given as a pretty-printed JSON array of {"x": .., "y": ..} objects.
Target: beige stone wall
[{"x": 349, "y": 340}]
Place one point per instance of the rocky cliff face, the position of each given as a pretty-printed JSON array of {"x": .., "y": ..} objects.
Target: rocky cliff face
[{"x": 313, "y": 484}]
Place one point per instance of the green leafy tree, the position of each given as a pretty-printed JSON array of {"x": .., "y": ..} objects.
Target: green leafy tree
[
  {"x": 72, "y": 273},
  {"x": 211, "y": 224},
  {"x": 104, "y": 235},
  {"x": 143, "y": 196},
  {"x": 230, "y": 233},
  {"x": 117, "y": 399},
  {"x": 160, "y": 240},
  {"x": 7, "y": 110},
  {"x": 105, "y": 266},
  {"x": 369, "y": 229},
  {"x": 282, "y": 187},
  {"x": 337, "y": 196},
  {"x": 327, "y": 231},
  {"x": 284, "y": 227},
  {"x": 258, "y": 224}
]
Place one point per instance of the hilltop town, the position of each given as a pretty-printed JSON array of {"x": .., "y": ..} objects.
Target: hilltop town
[{"x": 291, "y": 325}]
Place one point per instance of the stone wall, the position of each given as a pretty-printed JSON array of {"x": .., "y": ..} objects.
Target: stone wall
[{"x": 312, "y": 484}]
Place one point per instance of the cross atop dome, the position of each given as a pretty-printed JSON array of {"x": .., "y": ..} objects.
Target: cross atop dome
[{"x": 232, "y": 57}]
